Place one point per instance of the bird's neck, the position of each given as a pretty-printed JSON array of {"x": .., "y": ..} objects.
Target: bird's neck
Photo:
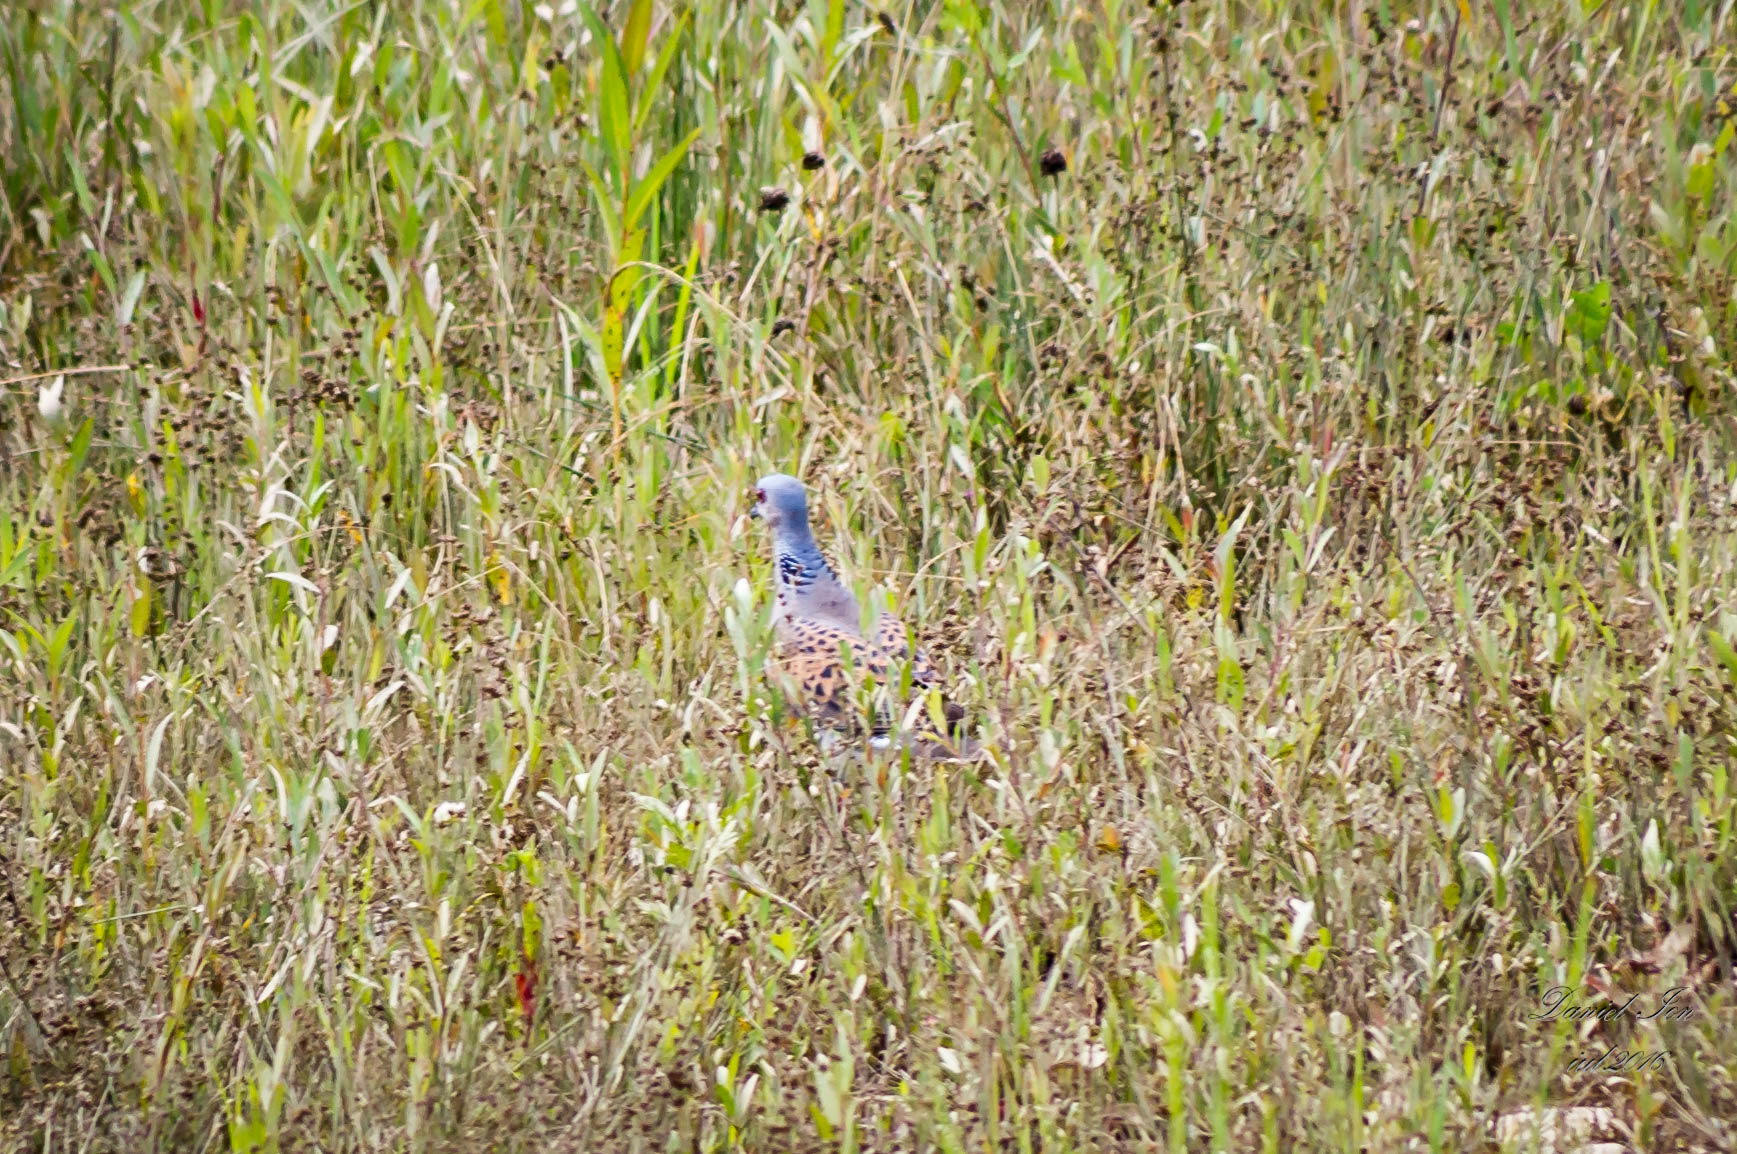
[{"x": 799, "y": 560}]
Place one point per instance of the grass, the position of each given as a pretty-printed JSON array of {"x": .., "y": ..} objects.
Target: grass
[{"x": 1320, "y": 491}]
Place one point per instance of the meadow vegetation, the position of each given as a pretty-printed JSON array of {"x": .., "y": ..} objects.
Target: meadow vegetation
[{"x": 1301, "y": 433}]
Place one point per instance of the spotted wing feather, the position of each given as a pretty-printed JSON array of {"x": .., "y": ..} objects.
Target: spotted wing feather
[
  {"x": 809, "y": 654},
  {"x": 891, "y": 641},
  {"x": 809, "y": 662}
]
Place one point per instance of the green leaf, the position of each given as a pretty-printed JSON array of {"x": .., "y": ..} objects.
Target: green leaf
[
  {"x": 1721, "y": 649},
  {"x": 627, "y": 272},
  {"x": 647, "y": 186},
  {"x": 606, "y": 208},
  {"x": 1031, "y": 44},
  {"x": 81, "y": 445},
  {"x": 57, "y": 641},
  {"x": 533, "y": 929},
  {"x": 633, "y": 37},
  {"x": 103, "y": 270},
  {"x": 678, "y": 327},
  {"x": 619, "y": 301},
  {"x": 1451, "y": 810},
  {"x": 654, "y": 83},
  {"x": 1067, "y": 68},
  {"x": 612, "y": 339},
  {"x": 1685, "y": 765},
  {"x": 1726, "y": 136},
  {"x": 86, "y": 202},
  {"x": 1589, "y": 313},
  {"x": 14, "y": 565},
  {"x": 561, "y": 85},
  {"x": 613, "y": 121},
  {"x": 820, "y": 1122},
  {"x": 280, "y": 197},
  {"x": 140, "y": 617},
  {"x": 1505, "y": 17},
  {"x": 834, "y": 30},
  {"x": 1699, "y": 186},
  {"x": 965, "y": 15},
  {"x": 1230, "y": 683}
]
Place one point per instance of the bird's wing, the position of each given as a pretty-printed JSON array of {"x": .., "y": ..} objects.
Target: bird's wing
[
  {"x": 891, "y": 641},
  {"x": 809, "y": 663},
  {"x": 893, "y": 647},
  {"x": 808, "y": 659},
  {"x": 809, "y": 656}
]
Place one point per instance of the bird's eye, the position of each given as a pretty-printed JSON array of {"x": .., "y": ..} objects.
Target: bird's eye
[{"x": 759, "y": 496}]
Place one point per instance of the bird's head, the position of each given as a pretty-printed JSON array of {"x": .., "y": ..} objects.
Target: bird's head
[{"x": 780, "y": 501}]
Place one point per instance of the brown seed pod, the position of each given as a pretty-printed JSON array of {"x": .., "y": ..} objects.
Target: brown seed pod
[
  {"x": 774, "y": 200},
  {"x": 1052, "y": 162},
  {"x": 812, "y": 161}
]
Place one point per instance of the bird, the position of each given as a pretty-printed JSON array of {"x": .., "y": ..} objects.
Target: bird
[{"x": 815, "y": 618}]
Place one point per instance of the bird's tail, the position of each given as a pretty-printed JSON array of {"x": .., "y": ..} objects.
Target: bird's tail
[
  {"x": 933, "y": 747},
  {"x": 929, "y": 745}
]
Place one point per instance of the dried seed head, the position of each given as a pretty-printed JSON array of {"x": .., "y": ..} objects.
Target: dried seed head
[
  {"x": 1052, "y": 162},
  {"x": 774, "y": 200}
]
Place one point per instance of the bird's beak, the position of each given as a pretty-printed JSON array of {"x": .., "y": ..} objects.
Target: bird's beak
[{"x": 753, "y": 507}]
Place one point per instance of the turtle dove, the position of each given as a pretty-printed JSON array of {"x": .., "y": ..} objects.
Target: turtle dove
[{"x": 815, "y": 616}]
